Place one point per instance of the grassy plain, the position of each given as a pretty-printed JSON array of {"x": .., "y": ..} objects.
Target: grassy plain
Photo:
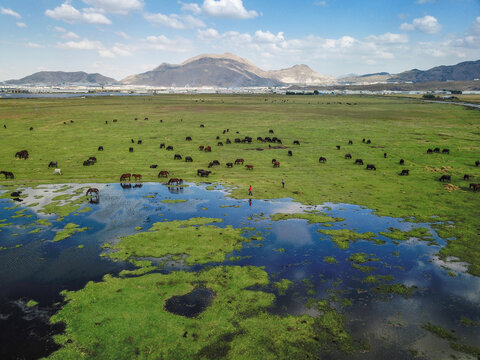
[{"x": 403, "y": 128}]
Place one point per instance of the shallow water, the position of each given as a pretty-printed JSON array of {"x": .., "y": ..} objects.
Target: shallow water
[{"x": 291, "y": 249}]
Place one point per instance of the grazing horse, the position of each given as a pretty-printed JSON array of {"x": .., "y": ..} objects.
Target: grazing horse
[
  {"x": 93, "y": 159},
  {"x": 125, "y": 177},
  {"x": 162, "y": 145},
  {"x": 270, "y": 131},
  {"x": 363, "y": 140},
  {"x": 137, "y": 176},
  {"x": 169, "y": 148},
  {"x": 203, "y": 173},
  {"x": 436, "y": 150},
  {"x": 188, "y": 159},
  {"x": 133, "y": 141},
  {"x": 429, "y": 151},
  {"x": 368, "y": 141},
  {"x": 348, "y": 156},
  {"x": 273, "y": 161},
  {"x": 201, "y": 147},
  {"x": 173, "y": 181},
  {"x": 237, "y": 141},
  {"x": 477, "y": 163},
  {"x": 371, "y": 167},
  {"x": 31, "y": 128},
  {"x": 22, "y": 154},
  {"x": 466, "y": 177},
  {"x": 472, "y": 186},
  {"x": 296, "y": 142},
  {"x": 53, "y": 164},
  {"x": 290, "y": 153},
  {"x": 163, "y": 173},
  {"x": 217, "y": 138},
  {"x": 188, "y": 138},
  {"x": 177, "y": 157},
  {"x": 115, "y": 120},
  {"x": 219, "y": 143},
  {"x": 358, "y": 162},
  {"x": 276, "y": 164},
  {"x": 8, "y": 174},
  {"x": 385, "y": 155},
  {"x": 153, "y": 166},
  {"x": 322, "y": 159},
  {"x": 475, "y": 187},
  {"x": 350, "y": 142},
  {"x": 229, "y": 165},
  {"x": 405, "y": 172},
  {"x": 239, "y": 161},
  {"x": 445, "y": 178},
  {"x": 446, "y": 151},
  {"x": 249, "y": 167},
  {"x": 228, "y": 141},
  {"x": 401, "y": 162},
  {"x": 338, "y": 147},
  {"x": 57, "y": 172},
  {"x": 208, "y": 149},
  {"x": 139, "y": 142},
  {"x": 202, "y": 126},
  {"x": 130, "y": 149},
  {"x": 100, "y": 148}
]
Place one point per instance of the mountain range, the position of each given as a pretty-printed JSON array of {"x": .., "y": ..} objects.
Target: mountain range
[{"x": 231, "y": 71}]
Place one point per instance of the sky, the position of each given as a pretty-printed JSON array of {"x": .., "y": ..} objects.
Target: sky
[{"x": 118, "y": 38}]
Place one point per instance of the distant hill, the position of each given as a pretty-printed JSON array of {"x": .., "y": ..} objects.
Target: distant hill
[
  {"x": 225, "y": 70},
  {"x": 62, "y": 78},
  {"x": 464, "y": 71},
  {"x": 365, "y": 79}
]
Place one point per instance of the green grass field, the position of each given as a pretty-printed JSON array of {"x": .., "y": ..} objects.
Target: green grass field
[{"x": 403, "y": 128}]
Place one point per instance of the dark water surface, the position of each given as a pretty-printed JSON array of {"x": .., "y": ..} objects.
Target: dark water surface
[{"x": 291, "y": 249}]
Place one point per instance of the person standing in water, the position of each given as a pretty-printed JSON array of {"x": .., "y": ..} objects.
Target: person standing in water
[{"x": 250, "y": 190}]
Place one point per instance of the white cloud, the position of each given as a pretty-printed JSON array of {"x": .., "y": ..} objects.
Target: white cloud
[
  {"x": 320, "y": 3},
  {"x": 70, "y": 35},
  {"x": 194, "y": 8},
  {"x": 84, "y": 44},
  {"x": 115, "y": 6},
  {"x": 425, "y": 1},
  {"x": 105, "y": 53},
  {"x": 175, "y": 21},
  {"x": 208, "y": 34},
  {"x": 123, "y": 35},
  {"x": 232, "y": 9},
  {"x": 122, "y": 50},
  {"x": 59, "y": 29},
  {"x": 33, "y": 45},
  {"x": 427, "y": 24},
  {"x": 268, "y": 37},
  {"x": 162, "y": 43},
  {"x": 10, "y": 12},
  {"x": 476, "y": 26},
  {"x": 389, "y": 38},
  {"x": 21, "y": 25},
  {"x": 69, "y": 14}
]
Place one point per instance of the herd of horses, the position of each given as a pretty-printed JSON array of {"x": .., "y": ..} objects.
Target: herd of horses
[{"x": 127, "y": 177}]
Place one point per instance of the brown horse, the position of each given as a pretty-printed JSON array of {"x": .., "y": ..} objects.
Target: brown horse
[
  {"x": 322, "y": 159},
  {"x": 92, "y": 191},
  {"x": 229, "y": 165},
  {"x": 163, "y": 173},
  {"x": 125, "y": 177},
  {"x": 137, "y": 176},
  {"x": 201, "y": 147},
  {"x": 249, "y": 167},
  {"x": 208, "y": 149},
  {"x": 239, "y": 161},
  {"x": 276, "y": 164},
  {"x": 23, "y": 154}
]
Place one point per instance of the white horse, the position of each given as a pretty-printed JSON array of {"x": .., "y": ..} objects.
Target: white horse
[{"x": 57, "y": 172}]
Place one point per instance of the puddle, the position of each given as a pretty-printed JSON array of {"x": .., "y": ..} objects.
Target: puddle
[
  {"x": 33, "y": 267},
  {"x": 192, "y": 304}
]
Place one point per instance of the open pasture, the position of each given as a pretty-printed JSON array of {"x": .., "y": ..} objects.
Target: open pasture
[{"x": 70, "y": 131}]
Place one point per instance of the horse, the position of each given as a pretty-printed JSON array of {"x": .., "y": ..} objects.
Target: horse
[
  {"x": 322, "y": 159},
  {"x": 125, "y": 177},
  {"x": 237, "y": 141},
  {"x": 188, "y": 159},
  {"x": 477, "y": 163},
  {"x": 92, "y": 191},
  {"x": 162, "y": 145},
  {"x": 163, "y": 173},
  {"x": 53, "y": 164},
  {"x": 219, "y": 143},
  {"x": 385, "y": 155},
  {"x": 139, "y": 142},
  {"x": 177, "y": 157},
  {"x": 174, "y": 181},
  {"x": 229, "y": 165},
  {"x": 203, "y": 173},
  {"x": 114, "y": 120},
  {"x": 201, "y": 147},
  {"x": 169, "y": 148},
  {"x": 23, "y": 154},
  {"x": 338, "y": 147},
  {"x": 273, "y": 161},
  {"x": 466, "y": 177},
  {"x": 429, "y": 151},
  {"x": 228, "y": 141},
  {"x": 188, "y": 138},
  {"x": 249, "y": 167},
  {"x": 100, "y": 148},
  {"x": 7, "y": 174},
  {"x": 446, "y": 151},
  {"x": 445, "y": 178},
  {"x": 296, "y": 142},
  {"x": 239, "y": 161},
  {"x": 436, "y": 150},
  {"x": 92, "y": 159},
  {"x": 57, "y": 172},
  {"x": 405, "y": 172},
  {"x": 401, "y": 162},
  {"x": 217, "y": 138},
  {"x": 276, "y": 164},
  {"x": 475, "y": 187},
  {"x": 208, "y": 149},
  {"x": 371, "y": 167},
  {"x": 153, "y": 166},
  {"x": 368, "y": 141},
  {"x": 358, "y": 162},
  {"x": 350, "y": 142},
  {"x": 133, "y": 141},
  {"x": 130, "y": 149},
  {"x": 348, "y": 156},
  {"x": 202, "y": 126},
  {"x": 137, "y": 176},
  {"x": 290, "y": 153},
  {"x": 472, "y": 186},
  {"x": 270, "y": 131},
  {"x": 31, "y": 128}
]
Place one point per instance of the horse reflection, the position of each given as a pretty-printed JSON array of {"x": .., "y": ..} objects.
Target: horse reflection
[{"x": 175, "y": 190}]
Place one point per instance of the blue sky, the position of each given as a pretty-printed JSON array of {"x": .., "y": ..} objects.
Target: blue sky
[{"x": 118, "y": 38}]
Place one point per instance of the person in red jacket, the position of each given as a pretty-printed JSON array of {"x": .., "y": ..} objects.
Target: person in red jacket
[{"x": 250, "y": 190}]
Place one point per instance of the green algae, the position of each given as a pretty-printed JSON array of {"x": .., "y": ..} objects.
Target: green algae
[
  {"x": 396, "y": 289},
  {"x": 35, "y": 231},
  {"x": 439, "y": 331},
  {"x": 330, "y": 260},
  {"x": 418, "y": 233},
  {"x": 442, "y": 333},
  {"x": 360, "y": 258},
  {"x": 466, "y": 349},
  {"x": 282, "y": 286},
  {"x": 312, "y": 218},
  {"x": 81, "y": 246},
  {"x": 173, "y": 201},
  {"x": 84, "y": 209},
  {"x": 343, "y": 237},
  {"x": 31, "y": 303},
  {"x": 100, "y": 321},
  {"x": 469, "y": 322},
  {"x": 201, "y": 243},
  {"x": 281, "y": 250},
  {"x": 5, "y": 224},
  {"x": 68, "y": 231}
]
